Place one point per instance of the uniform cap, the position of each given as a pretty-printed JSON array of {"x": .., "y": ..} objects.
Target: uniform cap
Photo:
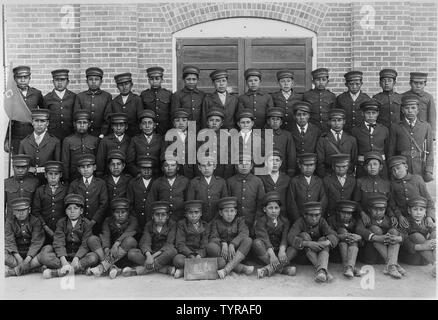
[
  {"x": 388, "y": 73},
  {"x": 371, "y": 104},
  {"x": 396, "y": 160},
  {"x": 87, "y": 158},
  {"x": 193, "y": 204},
  {"x": 346, "y": 205},
  {"x": 191, "y": 70},
  {"x": 409, "y": 99},
  {"x": 20, "y": 71},
  {"x": 20, "y": 160},
  {"x": 119, "y": 117},
  {"x": 155, "y": 71},
  {"x": 20, "y": 203},
  {"x": 307, "y": 158},
  {"x": 82, "y": 115},
  {"x": 245, "y": 113},
  {"x": 275, "y": 112},
  {"x": 146, "y": 161},
  {"x": 53, "y": 165},
  {"x": 418, "y": 202},
  {"x": 180, "y": 113},
  {"x": 320, "y": 72},
  {"x": 116, "y": 154},
  {"x": 40, "y": 114},
  {"x": 227, "y": 202},
  {"x": 302, "y": 105},
  {"x": 60, "y": 73},
  {"x": 215, "y": 112},
  {"x": 271, "y": 196},
  {"x": 312, "y": 207},
  {"x": 340, "y": 158},
  {"x": 285, "y": 74},
  {"x": 147, "y": 113},
  {"x": 336, "y": 113},
  {"x": 119, "y": 203},
  {"x": 378, "y": 201},
  {"x": 373, "y": 155},
  {"x": 94, "y": 71},
  {"x": 353, "y": 75},
  {"x": 219, "y": 73},
  {"x": 252, "y": 72},
  {"x": 418, "y": 76},
  {"x": 73, "y": 198},
  {"x": 160, "y": 205},
  {"x": 275, "y": 153},
  {"x": 123, "y": 77}
]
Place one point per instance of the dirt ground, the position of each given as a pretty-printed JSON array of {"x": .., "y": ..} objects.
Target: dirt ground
[{"x": 418, "y": 284}]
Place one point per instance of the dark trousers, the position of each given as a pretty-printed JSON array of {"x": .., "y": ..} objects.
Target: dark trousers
[
  {"x": 50, "y": 260},
  {"x": 260, "y": 251},
  {"x": 165, "y": 258}
]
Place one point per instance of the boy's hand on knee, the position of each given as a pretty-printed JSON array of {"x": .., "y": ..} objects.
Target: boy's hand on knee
[
  {"x": 149, "y": 263},
  {"x": 282, "y": 256},
  {"x": 231, "y": 251},
  {"x": 273, "y": 260},
  {"x": 315, "y": 246},
  {"x": 224, "y": 251}
]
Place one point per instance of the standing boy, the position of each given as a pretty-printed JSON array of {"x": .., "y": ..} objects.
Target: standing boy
[{"x": 390, "y": 100}]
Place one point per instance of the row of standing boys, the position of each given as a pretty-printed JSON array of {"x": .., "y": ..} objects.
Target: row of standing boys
[{"x": 331, "y": 151}]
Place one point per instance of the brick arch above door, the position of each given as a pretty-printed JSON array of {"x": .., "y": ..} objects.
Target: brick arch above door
[{"x": 307, "y": 15}]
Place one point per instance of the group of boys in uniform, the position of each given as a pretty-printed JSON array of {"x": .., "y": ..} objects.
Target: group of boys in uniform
[{"x": 95, "y": 189}]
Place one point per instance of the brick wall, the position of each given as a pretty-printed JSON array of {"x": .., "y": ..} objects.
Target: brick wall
[{"x": 132, "y": 37}]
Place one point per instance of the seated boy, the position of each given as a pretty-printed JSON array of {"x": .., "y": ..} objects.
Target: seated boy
[
  {"x": 270, "y": 242},
  {"x": 116, "y": 181},
  {"x": 191, "y": 236},
  {"x": 229, "y": 239},
  {"x": 419, "y": 240},
  {"x": 48, "y": 201},
  {"x": 116, "y": 239},
  {"x": 69, "y": 251},
  {"x": 312, "y": 234},
  {"x": 383, "y": 236},
  {"x": 344, "y": 224},
  {"x": 24, "y": 238},
  {"x": 156, "y": 248}
]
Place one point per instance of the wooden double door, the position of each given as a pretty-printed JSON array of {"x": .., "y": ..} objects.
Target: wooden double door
[{"x": 238, "y": 54}]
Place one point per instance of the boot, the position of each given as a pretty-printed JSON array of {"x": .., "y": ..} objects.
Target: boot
[
  {"x": 265, "y": 271},
  {"x": 170, "y": 270},
  {"x": 401, "y": 270},
  {"x": 54, "y": 273},
  {"x": 9, "y": 272},
  {"x": 179, "y": 273},
  {"x": 348, "y": 272},
  {"x": 96, "y": 271},
  {"x": 289, "y": 270},
  {"x": 114, "y": 272},
  {"x": 231, "y": 265},
  {"x": 242, "y": 268},
  {"x": 321, "y": 275},
  {"x": 393, "y": 272}
]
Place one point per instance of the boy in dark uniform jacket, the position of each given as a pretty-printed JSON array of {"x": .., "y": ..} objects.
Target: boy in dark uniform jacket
[
  {"x": 92, "y": 189},
  {"x": 286, "y": 97},
  {"x": 116, "y": 181},
  {"x": 412, "y": 138},
  {"x": 171, "y": 187},
  {"x": 339, "y": 185},
  {"x": 207, "y": 188},
  {"x": 344, "y": 224},
  {"x": 148, "y": 142},
  {"x": 139, "y": 188},
  {"x": 60, "y": 102},
  {"x": 79, "y": 143},
  {"x": 305, "y": 187},
  {"x": 283, "y": 140},
  {"x": 21, "y": 184},
  {"x": 126, "y": 102},
  {"x": 40, "y": 145},
  {"x": 276, "y": 180},
  {"x": 117, "y": 140},
  {"x": 69, "y": 252},
  {"x": 337, "y": 140},
  {"x": 220, "y": 100},
  {"x": 191, "y": 236},
  {"x": 33, "y": 99},
  {"x": 157, "y": 99},
  {"x": 156, "y": 248},
  {"x": 312, "y": 234},
  {"x": 255, "y": 100},
  {"x": 321, "y": 99},
  {"x": 271, "y": 238},
  {"x": 116, "y": 239},
  {"x": 189, "y": 98},
  {"x": 229, "y": 239},
  {"x": 383, "y": 236},
  {"x": 48, "y": 201},
  {"x": 419, "y": 239},
  {"x": 390, "y": 101},
  {"x": 96, "y": 101},
  {"x": 426, "y": 104},
  {"x": 24, "y": 238},
  {"x": 371, "y": 136},
  {"x": 351, "y": 99}
]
